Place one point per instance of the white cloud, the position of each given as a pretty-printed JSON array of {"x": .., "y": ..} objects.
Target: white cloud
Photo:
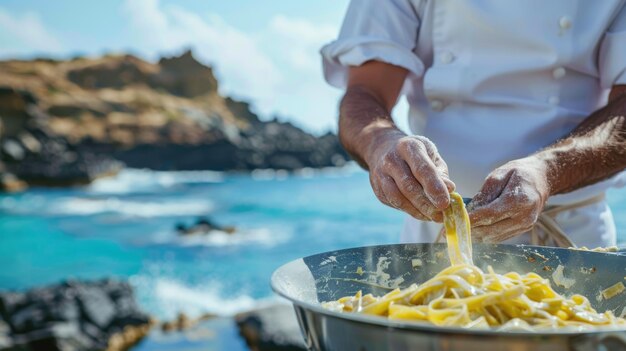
[
  {"x": 25, "y": 34},
  {"x": 243, "y": 68},
  {"x": 300, "y": 40},
  {"x": 277, "y": 68}
]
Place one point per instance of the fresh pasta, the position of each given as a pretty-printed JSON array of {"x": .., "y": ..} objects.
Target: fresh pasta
[{"x": 463, "y": 295}]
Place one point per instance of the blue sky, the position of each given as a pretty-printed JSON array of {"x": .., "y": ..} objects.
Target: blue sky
[{"x": 262, "y": 51}]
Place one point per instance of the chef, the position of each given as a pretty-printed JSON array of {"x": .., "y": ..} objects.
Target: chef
[{"x": 521, "y": 103}]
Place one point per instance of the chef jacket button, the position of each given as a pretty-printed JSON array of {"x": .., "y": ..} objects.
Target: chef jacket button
[
  {"x": 565, "y": 22},
  {"x": 436, "y": 105},
  {"x": 558, "y": 73},
  {"x": 446, "y": 57},
  {"x": 554, "y": 100}
]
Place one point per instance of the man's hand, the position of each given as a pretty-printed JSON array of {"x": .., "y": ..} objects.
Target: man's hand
[
  {"x": 407, "y": 173},
  {"x": 514, "y": 195},
  {"x": 510, "y": 200}
]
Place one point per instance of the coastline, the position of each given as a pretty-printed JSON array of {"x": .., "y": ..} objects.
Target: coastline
[
  {"x": 104, "y": 314},
  {"x": 70, "y": 122}
]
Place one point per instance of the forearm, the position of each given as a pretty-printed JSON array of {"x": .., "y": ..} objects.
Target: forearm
[
  {"x": 364, "y": 120},
  {"x": 594, "y": 151}
]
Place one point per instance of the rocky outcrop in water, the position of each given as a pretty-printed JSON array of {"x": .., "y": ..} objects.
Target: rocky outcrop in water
[
  {"x": 271, "y": 328},
  {"x": 67, "y": 122},
  {"x": 72, "y": 316}
]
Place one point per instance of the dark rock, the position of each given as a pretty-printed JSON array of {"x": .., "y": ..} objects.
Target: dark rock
[
  {"x": 63, "y": 310},
  {"x": 203, "y": 225},
  {"x": 185, "y": 76},
  {"x": 70, "y": 316},
  {"x": 116, "y": 73},
  {"x": 76, "y": 110},
  {"x": 273, "y": 328},
  {"x": 96, "y": 305},
  {"x": 12, "y": 150},
  {"x": 242, "y": 110},
  {"x": 28, "y": 318},
  {"x": 272, "y": 145},
  {"x": 14, "y": 109},
  {"x": 5, "y": 335},
  {"x": 61, "y": 336},
  {"x": 10, "y": 302},
  {"x": 30, "y": 152}
]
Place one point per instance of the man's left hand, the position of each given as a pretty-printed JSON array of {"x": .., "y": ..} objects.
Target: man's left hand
[{"x": 510, "y": 200}]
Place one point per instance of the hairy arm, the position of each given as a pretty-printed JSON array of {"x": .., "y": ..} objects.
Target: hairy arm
[
  {"x": 406, "y": 172},
  {"x": 514, "y": 195},
  {"x": 594, "y": 151},
  {"x": 365, "y": 110}
]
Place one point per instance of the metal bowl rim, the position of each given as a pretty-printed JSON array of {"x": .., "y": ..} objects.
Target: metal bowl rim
[{"x": 417, "y": 326}]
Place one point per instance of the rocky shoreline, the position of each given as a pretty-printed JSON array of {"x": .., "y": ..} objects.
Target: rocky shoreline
[
  {"x": 68, "y": 122},
  {"x": 104, "y": 315},
  {"x": 100, "y": 315}
]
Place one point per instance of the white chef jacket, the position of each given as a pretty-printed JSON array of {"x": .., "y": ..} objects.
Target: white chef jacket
[{"x": 491, "y": 81}]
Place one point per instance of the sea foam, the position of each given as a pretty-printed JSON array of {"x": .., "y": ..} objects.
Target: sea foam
[
  {"x": 166, "y": 297},
  {"x": 86, "y": 206},
  {"x": 143, "y": 180}
]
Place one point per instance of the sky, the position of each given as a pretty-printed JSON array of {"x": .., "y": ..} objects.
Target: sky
[{"x": 265, "y": 52}]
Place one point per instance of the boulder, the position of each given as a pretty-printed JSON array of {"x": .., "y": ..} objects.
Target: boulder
[
  {"x": 5, "y": 336},
  {"x": 71, "y": 316},
  {"x": 203, "y": 226},
  {"x": 14, "y": 109},
  {"x": 271, "y": 328},
  {"x": 185, "y": 76},
  {"x": 10, "y": 183},
  {"x": 96, "y": 305}
]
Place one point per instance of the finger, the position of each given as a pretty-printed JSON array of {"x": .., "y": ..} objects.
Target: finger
[
  {"x": 491, "y": 204},
  {"x": 494, "y": 212},
  {"x": 376, "y": 187},
  {"x": 500, "y": 231},
  {"x": 449, "y": 184},
  {"x": 440, "y": 164},
  {"x": 412, "y": 190},
  {"x": 424, "y": 170},
  {"x": 396, "y": 199},
  {"x": 492, "y": 188}
]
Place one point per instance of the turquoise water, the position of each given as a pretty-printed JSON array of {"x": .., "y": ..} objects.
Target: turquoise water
[{"x": 124, "y": 226}]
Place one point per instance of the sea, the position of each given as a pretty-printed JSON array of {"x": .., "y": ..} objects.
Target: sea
[{"x": 125, "y": 226}]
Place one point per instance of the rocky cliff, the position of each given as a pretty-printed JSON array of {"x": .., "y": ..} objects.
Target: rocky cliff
[{"x": 66, "y": 122}]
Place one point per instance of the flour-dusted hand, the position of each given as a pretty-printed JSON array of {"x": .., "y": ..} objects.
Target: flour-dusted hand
[
  {"x": 406, "y": 172},
  {"x": 510, "y": 200}
]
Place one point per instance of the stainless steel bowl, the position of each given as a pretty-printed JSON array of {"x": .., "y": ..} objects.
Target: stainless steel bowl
[{"x": 328, "y": 276}]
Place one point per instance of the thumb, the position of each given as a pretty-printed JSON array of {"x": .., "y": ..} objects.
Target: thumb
[{"x": 491, "y": 190}]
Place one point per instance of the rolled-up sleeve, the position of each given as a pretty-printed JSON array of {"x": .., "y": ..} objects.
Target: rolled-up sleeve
[
  {"x": 382, "y": 30},
  {"x": 612, "y": 55}
]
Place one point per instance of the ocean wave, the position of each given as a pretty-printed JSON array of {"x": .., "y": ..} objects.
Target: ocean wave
[
  {"x": 143, "y": 180},
  {"x": 85, "y": 206},
  {"x": 166, "y": 297},
  {"x": 216, "y": 238},
  {"x": 263, "y": 174}
]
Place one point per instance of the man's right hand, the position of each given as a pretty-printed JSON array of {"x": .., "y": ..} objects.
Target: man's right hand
[{"x": 407, "y": 173}]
